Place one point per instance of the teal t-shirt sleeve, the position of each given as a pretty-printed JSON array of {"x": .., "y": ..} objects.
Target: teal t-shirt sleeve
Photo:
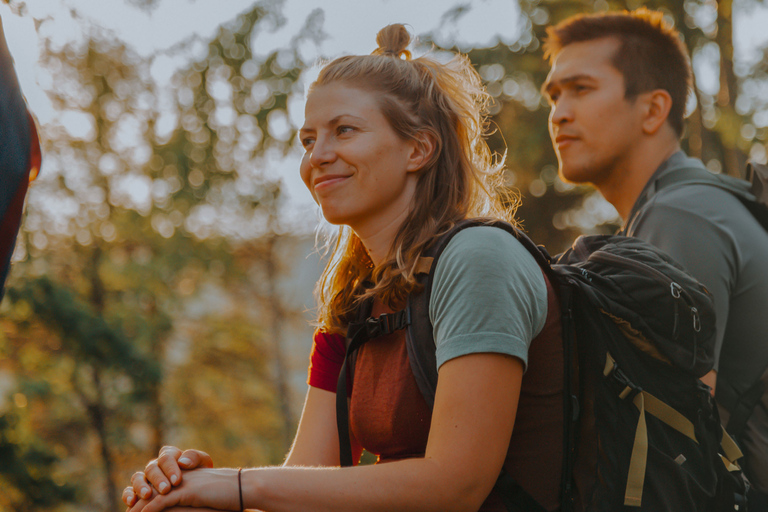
[{"x": 488, "y": 295}]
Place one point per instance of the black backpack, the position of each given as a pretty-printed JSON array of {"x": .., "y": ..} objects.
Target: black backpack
[
  {"x": 638, "y": 333},
  {"x": 753, "y": 194}
]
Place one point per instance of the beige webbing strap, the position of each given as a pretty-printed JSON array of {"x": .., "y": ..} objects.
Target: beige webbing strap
[
  {"x": 610, "y": 364},
  {"x": 646, "y": 402},
  {"x": 730, "y": 466},
  {"x": 636, "y": 477},
  {"x": 669, "y": 416},
  {"x": 424, "y": 265},
  {"x": 731, "y": 450}
]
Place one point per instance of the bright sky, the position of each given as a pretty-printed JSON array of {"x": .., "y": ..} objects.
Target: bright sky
[{"x": 351, "y": 26}]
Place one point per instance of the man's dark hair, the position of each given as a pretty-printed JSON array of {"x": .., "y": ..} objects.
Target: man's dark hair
[{"x": 651, "y": 54}]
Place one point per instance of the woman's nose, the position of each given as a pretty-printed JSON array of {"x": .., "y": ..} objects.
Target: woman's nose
[{"x": 323, "y": 152}]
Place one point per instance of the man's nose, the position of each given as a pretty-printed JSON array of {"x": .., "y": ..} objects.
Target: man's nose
[{"x": 561, "y": 112}]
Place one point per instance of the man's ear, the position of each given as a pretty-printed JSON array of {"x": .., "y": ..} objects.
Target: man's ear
[
  {"x": 424, "y": 151},
  {"x": 657, "y": 104}
]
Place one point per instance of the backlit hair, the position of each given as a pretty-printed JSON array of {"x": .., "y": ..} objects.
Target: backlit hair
[
  {"x": 461, "y": 179},
  {"x": 651, "y": 54}
]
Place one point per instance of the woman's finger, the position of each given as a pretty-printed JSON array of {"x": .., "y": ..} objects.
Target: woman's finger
[
  {"x": 168, "y": 464},
  {"x": 157, "y": 477},
  {"x": 161, "y": 502},
  {"x": 191, "y": 459},
  {"x": 172, "y": 461},
  {"x": 140, "y": 485},
  {"x": 129, "y": 496},
  {"x": 138, "y": 506}
]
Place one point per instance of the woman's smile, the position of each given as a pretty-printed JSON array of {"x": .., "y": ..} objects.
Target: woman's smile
[
  {"x": 358, "y": 169},
  {"x": 328, "y": 181}
]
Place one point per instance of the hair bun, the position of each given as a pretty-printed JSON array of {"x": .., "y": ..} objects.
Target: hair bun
[{"x": 393, "y": 40}]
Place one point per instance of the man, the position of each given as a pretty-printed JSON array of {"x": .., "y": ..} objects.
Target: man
[
  {"x": 19, "y": 157},
  {"x": 618, "y": 88}
]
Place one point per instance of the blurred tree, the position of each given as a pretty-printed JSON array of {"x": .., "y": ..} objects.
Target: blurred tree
[
  {"x": 96, "y": 351},
  {"x": 28, "y": 469},
  {"x": 126, "y": 261}
]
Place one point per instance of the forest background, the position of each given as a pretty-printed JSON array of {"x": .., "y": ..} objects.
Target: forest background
[{"x": 161, "y": 286}]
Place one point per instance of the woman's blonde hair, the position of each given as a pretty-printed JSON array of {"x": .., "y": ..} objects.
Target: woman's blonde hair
[{"x": 419, "y": 97}]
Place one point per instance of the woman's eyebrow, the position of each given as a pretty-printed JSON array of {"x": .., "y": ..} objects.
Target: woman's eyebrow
[{"x": 335, "y": 120}]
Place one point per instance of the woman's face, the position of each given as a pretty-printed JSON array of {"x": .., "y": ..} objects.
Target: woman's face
[{"x": 357, "y": 168}]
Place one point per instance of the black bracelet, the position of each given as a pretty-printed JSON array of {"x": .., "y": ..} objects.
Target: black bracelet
[{"x": 240, "y": 488}]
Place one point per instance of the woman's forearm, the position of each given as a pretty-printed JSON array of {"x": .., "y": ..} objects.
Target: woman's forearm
[
  {"x": 471, "y": 425},
  {"x": 414, "y": 484}
]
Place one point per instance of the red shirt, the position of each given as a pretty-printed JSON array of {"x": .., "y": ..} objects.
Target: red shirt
[{"x": 326, "y": 360}]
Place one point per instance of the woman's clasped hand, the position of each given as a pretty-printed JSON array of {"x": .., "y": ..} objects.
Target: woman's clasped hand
[{"x": 161, "y": 475}]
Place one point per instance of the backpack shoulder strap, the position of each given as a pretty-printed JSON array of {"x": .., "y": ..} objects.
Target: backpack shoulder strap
[
  {"x": 421, "y": 347},
  {"x": 420, "y": 342},
  {"x": 697, "y": 176},
  {"x": 752, "y": 192}
]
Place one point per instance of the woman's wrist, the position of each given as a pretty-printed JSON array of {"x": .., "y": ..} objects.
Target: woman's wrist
[
  {"x": 249, "y": 487},
  {"x": 240, "y": 487}
]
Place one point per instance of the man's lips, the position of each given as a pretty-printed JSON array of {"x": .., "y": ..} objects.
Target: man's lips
[{"x": 565, "y": 140}]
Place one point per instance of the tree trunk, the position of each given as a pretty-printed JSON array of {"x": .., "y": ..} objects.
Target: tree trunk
[
  {"x": 97, "y": 408},
  {"x": 156, "y": 402},
  {"x": 277, "y": 317},
  {"x": 726, "y": 97},
  {"x": 96, "y": 411}
]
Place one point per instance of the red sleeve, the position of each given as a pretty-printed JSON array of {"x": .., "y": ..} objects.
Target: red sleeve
[{"x": 325, "y": 361}]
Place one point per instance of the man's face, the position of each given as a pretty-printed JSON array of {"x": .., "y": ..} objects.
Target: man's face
[{"x": 592, "y": 126}]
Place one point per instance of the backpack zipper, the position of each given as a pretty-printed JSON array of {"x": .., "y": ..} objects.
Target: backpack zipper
[{"x": 677, "y": 291}]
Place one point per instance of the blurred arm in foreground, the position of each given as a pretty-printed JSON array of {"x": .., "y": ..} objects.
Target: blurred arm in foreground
[{"x": 19, "y": 157}]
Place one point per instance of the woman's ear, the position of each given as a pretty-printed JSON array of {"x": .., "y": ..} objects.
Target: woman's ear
[
  {"x": 658, "y": 103},
  {"x": 424, "y": 151}
]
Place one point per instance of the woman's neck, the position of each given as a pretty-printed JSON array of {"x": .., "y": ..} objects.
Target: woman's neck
[{"x": 378, "y": 240}]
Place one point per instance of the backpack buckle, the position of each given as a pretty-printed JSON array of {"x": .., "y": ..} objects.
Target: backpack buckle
[
  {"x": 612, "y": 370},
  {"x": 374, "y": 326},
  {"x": 387, "y": 323}
]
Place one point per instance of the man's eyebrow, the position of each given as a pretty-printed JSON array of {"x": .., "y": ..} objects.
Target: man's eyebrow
[{"x": 547, "y": 86}]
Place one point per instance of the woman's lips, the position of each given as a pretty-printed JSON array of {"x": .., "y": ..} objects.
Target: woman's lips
[{"x": 324, "y": 182}]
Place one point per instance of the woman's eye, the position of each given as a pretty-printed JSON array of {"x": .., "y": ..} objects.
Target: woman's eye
[
  {"x": 307, "y": 141},
  {"x": 345, "y": 129}
]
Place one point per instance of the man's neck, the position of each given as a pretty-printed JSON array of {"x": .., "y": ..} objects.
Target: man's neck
[{"x": 625, "y": 185}]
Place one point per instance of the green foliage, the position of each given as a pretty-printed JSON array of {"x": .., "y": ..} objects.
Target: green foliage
[
  {"x": 86, "y": 335},
  {"x": 25, "y": 474},
  {"x": 103, "y": 329}
]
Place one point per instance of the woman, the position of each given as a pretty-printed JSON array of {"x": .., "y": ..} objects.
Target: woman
[{"x": 395, "y": 155}]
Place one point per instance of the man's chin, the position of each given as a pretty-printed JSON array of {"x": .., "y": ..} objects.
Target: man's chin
[{"x": 572, "y": 174}]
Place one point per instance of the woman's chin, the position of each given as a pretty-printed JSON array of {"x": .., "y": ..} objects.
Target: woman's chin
[{"x": 335, "y": 217}]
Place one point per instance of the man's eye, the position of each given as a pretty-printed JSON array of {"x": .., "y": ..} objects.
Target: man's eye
[{"x": 344, "y": 129}]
